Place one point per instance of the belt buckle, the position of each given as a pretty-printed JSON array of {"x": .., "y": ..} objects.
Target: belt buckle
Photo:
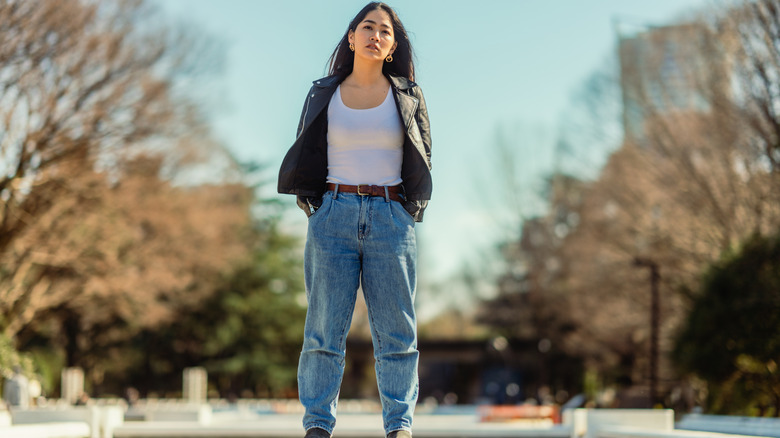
[{"x": 362, "y": 193}]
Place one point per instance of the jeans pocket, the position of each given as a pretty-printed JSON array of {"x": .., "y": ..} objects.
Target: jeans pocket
[
  {"x": 411, "y": 208},
  {"x": 403, "y": 213},
  {"x": 320, "y": 204}
]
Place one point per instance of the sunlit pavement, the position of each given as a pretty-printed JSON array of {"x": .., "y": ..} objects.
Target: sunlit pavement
[
  {"x": 173, "y": 419},
  {"x": 231, "y": 424}
]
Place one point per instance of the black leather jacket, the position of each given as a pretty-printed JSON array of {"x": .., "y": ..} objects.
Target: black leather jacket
[{"x": 305, "y": 167}]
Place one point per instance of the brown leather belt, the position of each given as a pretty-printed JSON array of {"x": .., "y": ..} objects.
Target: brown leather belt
[{"x": 366, "y": 190}]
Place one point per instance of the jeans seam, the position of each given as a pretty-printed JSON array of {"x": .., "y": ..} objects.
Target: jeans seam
[
  {"x": 373, "y": 324},
  {"x": 378, "y": 352},
  {"x": 345, "y": 328}
]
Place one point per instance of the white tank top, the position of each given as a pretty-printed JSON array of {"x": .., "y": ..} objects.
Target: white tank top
[{"x": 365, "y": 146}]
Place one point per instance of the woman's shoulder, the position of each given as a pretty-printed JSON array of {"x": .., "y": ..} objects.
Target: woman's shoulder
[
  {"x": 327, "y": 81},
  {"x": 402, "y": 83}
]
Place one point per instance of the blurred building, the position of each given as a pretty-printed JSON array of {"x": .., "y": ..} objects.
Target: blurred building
[
  {"x": 663, "y": 70},
  {"x": 489, "y": 371}
]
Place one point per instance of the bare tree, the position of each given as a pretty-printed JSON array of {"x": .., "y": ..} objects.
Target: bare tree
[
  {"x": 140, "y": 251},
  {"x": 87, "y": 87},
  {"x": 694, "y": 176}
]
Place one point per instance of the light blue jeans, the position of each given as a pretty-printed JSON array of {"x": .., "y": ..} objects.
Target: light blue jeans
[{"x": 354, "y": 240}]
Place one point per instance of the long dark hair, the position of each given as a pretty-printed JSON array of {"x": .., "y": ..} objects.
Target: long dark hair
[{"x": 343, "y": 60}]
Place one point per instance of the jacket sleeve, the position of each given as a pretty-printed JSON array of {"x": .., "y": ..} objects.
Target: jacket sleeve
[
  {"x": 303, "y": 113},
  {"x": 417, "y": 207},
  {"x": 306, "y": 203},
  {"x": 421, "y": 117}
]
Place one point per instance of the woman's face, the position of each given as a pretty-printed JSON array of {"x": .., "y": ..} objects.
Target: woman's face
[{"x": 374, "y": 38}]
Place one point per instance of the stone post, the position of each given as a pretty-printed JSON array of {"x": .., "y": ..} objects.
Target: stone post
[
  {"x": 195, "y": 385},
  {"x": 72, "y": 385}
]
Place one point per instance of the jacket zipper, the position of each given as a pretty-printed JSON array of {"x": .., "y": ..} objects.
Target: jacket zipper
[{"x": 305, "y": 113}]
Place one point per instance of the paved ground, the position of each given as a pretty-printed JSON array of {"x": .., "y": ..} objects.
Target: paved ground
[{"x": 348, "y": 426}]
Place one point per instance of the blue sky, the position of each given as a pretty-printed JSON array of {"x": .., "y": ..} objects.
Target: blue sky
[{"x": 482, "y": 65}]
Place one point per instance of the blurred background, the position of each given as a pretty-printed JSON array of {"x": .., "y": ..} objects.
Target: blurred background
[{"x": 604, "y": 231}]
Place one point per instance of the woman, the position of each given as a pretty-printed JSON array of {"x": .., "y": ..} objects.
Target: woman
[{"x": 360, "y": 167}]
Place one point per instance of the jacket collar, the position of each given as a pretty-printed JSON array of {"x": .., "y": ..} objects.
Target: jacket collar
[
  {"x": 327, "y": 81},
  {"x": 401, "y": 83},
  {"x": 407, "y": 104},
  {"x": 398, "y": 82}
]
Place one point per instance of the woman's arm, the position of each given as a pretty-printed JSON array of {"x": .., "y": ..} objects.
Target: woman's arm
[
  {"x": 423, "y": 124},
  {"x": 303, "y": 113},
  {"x": 308, "y": 204},
  {"x": 417, "y": 207}
]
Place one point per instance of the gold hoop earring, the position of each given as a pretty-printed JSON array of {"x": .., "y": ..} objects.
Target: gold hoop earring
[
  {"x": 351, "y": 47},
  {"x": 389, "y": 58}
]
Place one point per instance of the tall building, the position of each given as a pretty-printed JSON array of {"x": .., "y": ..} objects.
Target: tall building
[{"x": 663, "y": 70}]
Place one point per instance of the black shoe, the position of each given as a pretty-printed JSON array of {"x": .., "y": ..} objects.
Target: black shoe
[
  {"x": 400, "y": 434},
  {"x": 316, "y": 432}
]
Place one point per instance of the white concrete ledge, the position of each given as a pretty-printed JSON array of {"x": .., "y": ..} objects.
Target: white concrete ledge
[
  {"x": 200, "y": 414},
  {"x": 587, "y": 423},
  {"x": 753, "y": 426},
  {"x": 101, "y": 420},
  {"x": 631, "y": 432},
  {"x": 48, "y": 430},
  {"x": 5, "y": 418}
]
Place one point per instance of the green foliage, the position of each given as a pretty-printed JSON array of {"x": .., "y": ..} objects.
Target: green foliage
[
  {"x": 732, "y": 336},
  {"x": 10, "y": 358},
  {"x": 247, "y": 334},
  {"x": 48, "y": 364}
]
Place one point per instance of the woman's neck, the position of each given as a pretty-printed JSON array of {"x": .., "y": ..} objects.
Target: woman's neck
[{"x": 366, "y": 74}]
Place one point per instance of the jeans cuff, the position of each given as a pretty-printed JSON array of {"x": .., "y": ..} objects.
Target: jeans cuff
[{"x": 319, "y": 426}]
